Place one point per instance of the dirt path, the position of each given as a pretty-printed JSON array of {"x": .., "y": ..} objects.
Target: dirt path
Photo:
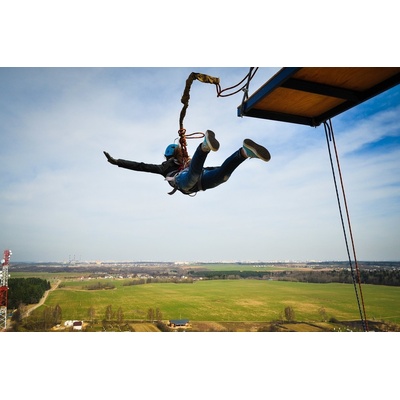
[{"x": 42, "y": 300}]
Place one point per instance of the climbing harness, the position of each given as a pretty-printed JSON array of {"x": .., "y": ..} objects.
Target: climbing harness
[
  {"x": 356, "y": 279},
  {"x": 172, "y": 182}
]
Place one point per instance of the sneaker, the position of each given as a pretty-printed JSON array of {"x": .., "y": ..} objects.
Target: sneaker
[
  {"x": 210, "y": 143},
  {"x": 254, "y": 150}
]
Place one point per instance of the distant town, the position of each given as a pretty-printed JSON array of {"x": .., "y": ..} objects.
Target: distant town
[{"x": 372, "y": 272}]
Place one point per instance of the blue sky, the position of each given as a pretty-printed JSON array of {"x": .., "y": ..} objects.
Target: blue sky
[{"x": 60, "y": 198}]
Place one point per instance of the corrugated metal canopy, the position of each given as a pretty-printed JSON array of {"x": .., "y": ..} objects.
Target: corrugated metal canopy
[{"x": 312, "y": 95}]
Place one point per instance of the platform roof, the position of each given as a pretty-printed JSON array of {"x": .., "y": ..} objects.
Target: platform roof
[{"x": 312, "y": 95}]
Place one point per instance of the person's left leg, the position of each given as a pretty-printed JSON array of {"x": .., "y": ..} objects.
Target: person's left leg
[{"x": 213, "y": 177}]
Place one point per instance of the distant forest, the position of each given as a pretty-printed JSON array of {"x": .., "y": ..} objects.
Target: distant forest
[
  {"x": 26, "y": 291},
  {"x": 389, "y": 277}
]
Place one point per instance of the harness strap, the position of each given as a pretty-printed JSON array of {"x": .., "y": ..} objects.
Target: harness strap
[
  {"x": 173, "y": 191},
  {"x": 171, "y": 179}
]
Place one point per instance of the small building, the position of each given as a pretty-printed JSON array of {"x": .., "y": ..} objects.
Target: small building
[
  {"x": 77, "y": 325},
  {"x": 175, "y": 323}
]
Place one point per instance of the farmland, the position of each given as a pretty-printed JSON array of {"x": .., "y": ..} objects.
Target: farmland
[
  {"x": 218, "y": 297},
  {"x": 223, "y": 302}
]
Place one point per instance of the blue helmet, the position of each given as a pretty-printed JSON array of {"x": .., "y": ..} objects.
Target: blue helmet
[{"x": 170, "y": 150}]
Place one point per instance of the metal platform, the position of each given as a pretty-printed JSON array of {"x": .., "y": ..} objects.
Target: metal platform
[{"x": 312, "y": 95}]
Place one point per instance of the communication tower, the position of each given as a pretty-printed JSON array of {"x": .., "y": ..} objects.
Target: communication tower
[{"x": 4, "y": 289}]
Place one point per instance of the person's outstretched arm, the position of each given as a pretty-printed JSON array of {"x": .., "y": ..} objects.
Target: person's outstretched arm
[
  {"x": 111, "y": 160},
  {"x": 136, "y": 166}
]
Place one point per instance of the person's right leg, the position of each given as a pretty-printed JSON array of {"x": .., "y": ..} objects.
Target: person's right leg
[{"x": 190, "y": 176}]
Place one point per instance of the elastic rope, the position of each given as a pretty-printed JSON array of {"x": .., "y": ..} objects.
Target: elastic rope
[
  {"x": 186, "y": 97},
  {"x": 186, "y": 93},
  {"x": 246, "y": 91},
  {"x": 330, "y": 137},
  {"x": 183, "y": 143},
  {"x": 185, "y": 101},
  {"x": 249, "y": 77},
  {"x": 349, "y": 226}
]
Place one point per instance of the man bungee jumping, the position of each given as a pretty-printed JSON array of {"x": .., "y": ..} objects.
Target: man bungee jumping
[{"x": 192, "y": 177}]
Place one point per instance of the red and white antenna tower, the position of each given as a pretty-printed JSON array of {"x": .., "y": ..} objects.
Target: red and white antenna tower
[{"x": 4, "y": 289}]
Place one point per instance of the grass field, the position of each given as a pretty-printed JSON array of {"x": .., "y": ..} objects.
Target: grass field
[{"x": 228, "y": 300}]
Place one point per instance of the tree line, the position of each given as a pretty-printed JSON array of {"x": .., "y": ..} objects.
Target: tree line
[
  {"x": 26, "y": 291},
  {"x": 389, "y": 277},
  {"x": 143, "y": 281}
]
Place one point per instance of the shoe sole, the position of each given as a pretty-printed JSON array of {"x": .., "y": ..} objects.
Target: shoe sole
[
  {"x": 212, "y": 142},
  {"x": 260, "y": 151}
]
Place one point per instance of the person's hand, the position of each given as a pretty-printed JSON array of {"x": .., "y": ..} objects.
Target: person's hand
[{"x": 110, "y": 159}]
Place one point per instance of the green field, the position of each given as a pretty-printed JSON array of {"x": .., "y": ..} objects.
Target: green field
[{"x": 228, "y": 300}]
